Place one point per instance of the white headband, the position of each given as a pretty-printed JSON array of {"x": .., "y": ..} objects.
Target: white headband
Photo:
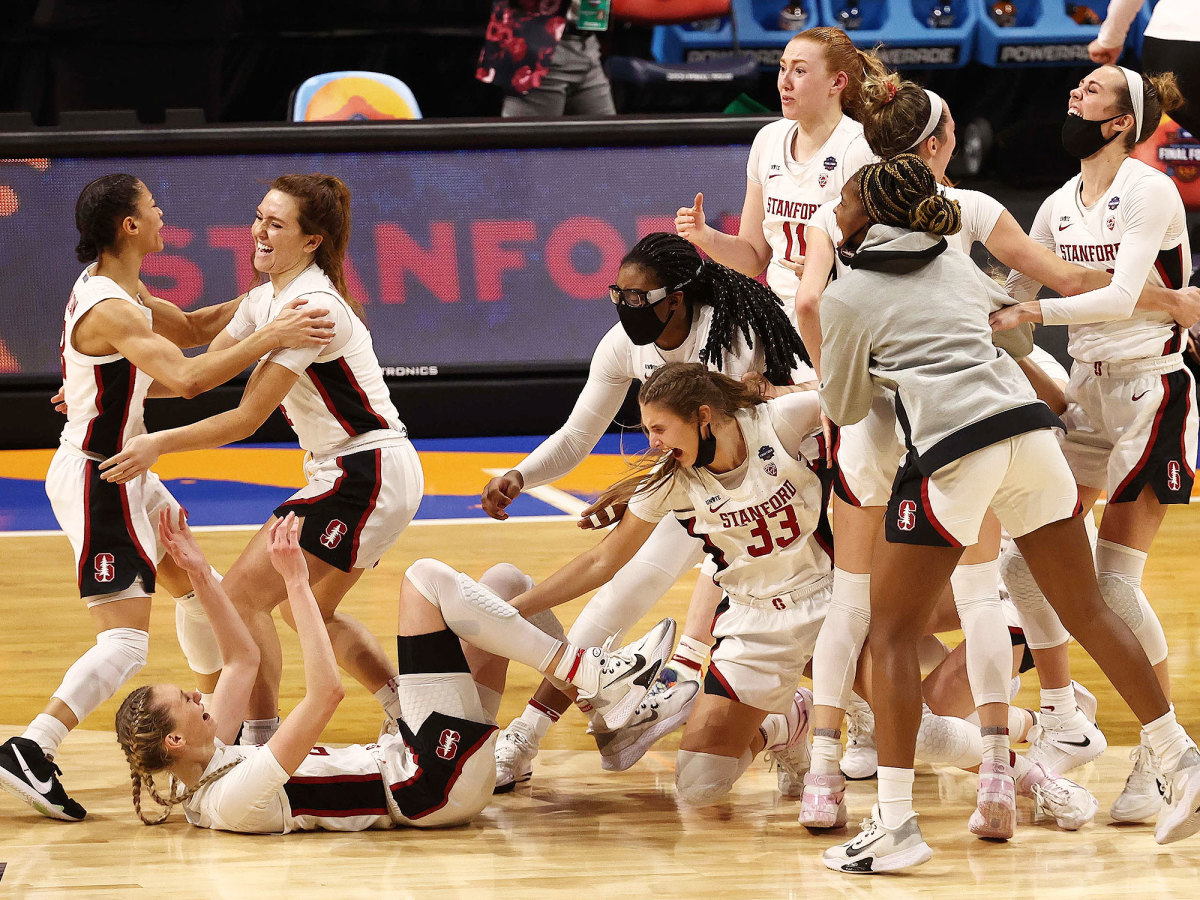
[
  {"x": 935, "y": 116},
  {"x": 1136, "y": 97}
]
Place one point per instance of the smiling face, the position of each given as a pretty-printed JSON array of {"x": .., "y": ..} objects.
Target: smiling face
[
  {"x": 280, "y": 245},
  {"x": 805, "y": 83},
  {"x": 671, "y": 433},
  {"x": 1096, "y": 98}
]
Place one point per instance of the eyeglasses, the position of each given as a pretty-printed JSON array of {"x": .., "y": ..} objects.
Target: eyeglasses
[{"x": 636, "y": 299}]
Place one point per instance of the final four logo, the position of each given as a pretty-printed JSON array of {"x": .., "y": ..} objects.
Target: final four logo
[
  {"x": 765, "y": 452},
  {"x": 1114, "y": 201},
  {"x": 830, "y": 163}
]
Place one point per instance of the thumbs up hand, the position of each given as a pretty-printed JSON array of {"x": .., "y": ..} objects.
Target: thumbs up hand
[{"x": 689, "y": 221}]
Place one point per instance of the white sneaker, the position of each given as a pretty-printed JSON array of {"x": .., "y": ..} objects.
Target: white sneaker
[
  {"x": 1086, "y": 701},
  {"x": 664, "y": 709},
  {"x": 1061, "y": 744},
  {"x": 995, "y": 816},
  {"x": 516, "y": 746},
  {"x": 792, "y": 758},
  {"x": 1180, "y": 816},
  {"x": 1070, "y": 805},
  {"x": 861, "y": 759},
  {"x": 1141, "y": 799},
  {"x": 824, "y": 802},
  {"x": 880, "y": 849},
  {"x": 625, "y": 676}
]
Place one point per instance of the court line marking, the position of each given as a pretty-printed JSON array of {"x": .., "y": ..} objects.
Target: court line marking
[{"x": 552, "y": 496}]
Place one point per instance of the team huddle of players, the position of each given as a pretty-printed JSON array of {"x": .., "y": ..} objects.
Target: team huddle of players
[{"x": 879, "y": 379}]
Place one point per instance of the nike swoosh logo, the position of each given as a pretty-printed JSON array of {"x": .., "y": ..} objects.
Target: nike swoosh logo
[
  {"x": 853, "y": 851},
  {"x": 1137, "y": 397},
  {"x": 1064, "y": 227},
  {"x": 41, "y": 786},
  {"x": 647, "y": 678},
  {"x": 638, "y": 662},
  {"x": 1086, "y": 742},
  {"x": 776, "y": 175},
  {"x": 713, "y": 509}
]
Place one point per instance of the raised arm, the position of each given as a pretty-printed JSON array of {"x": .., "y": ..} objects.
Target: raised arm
[
  {"x": 239, "y": 653},
  {"x": 301, "y": 730},
  {"x": 264, "y": 392},
  {"x": 590, "y": 569},
  {"x": 598, "y": 403},
  {"x": 748, "y": 251}
]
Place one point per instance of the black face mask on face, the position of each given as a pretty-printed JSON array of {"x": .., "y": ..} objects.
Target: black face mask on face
[
  {"x": 642, "y": 324},
  {"x": 1083, "y": 137},
  {"x": 706, "y": 452}
]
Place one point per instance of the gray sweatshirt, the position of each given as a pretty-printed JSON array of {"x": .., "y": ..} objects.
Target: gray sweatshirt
[{"x": 912, "y": 315}]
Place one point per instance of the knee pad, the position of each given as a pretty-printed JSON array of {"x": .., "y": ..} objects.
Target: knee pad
[
  {"x": 506, "y": 580},
  {"x": 196, "y": 638},
  {"x": 1039, "y": 621},
  {"x": 449, "y": 590},
  {"x": 705, "y": 778},
  {"x": 117, "y": 656},
  {"x": 945, "y": 739},
  {"x": 1130, "y": 603}
]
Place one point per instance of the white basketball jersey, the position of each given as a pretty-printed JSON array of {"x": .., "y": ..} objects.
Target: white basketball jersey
[
  {"x": 334, "y": 789},
  {"x": 643, "y": 361},
  {"x": 340, "y": 396},
  {"x": 105, "y": 395},
  {"x": 793, "y": 191},
  {"x": 1092, "y": 236},
  {"x": 762, "y": 533}
]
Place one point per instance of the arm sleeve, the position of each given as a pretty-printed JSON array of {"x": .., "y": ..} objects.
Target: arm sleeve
[
  {"x": 1116, "y": 23},
  {"x": 1147, "y": 219},
  {"x": 300, "y": 358},
  {"x": 795, "y": 417},
  {"x": 846, "y": 347},
  {"x": 1018, "y": 285},
  {"x": 601, "y": 398}
]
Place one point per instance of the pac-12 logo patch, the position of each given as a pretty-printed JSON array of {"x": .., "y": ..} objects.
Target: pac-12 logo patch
[
  {"x": 1111, "y": 222},
  {"x": 104, "y": 567},
  {"x": 447, "y": 747},
  {"x": 830, "y": 163},
  {"x": 822, "y": 179},
  {"x": 906, "y": 520},
  {"x": 1114, "y": 201},
  {"x": 1174, "y": 482},
  {"x": 333, "y": 534},
  {"x": 771, "y": 470}
]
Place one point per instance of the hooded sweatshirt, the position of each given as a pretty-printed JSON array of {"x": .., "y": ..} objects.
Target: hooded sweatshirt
[{"x": 912, "y": 315}]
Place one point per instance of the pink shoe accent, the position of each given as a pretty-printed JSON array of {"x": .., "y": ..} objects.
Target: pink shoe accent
[
  {"x": 823, "y": 804},
  {"x": 996, "y": 816}
]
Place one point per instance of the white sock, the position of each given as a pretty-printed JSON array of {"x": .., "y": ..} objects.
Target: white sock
[
  {"x": 995, "y": 746},
  {"x": 775, "y": 729},
  {"x": 539, "y": 718},
  {"x": 47, "y": 732},
  {"x": 1059, "y": 702},
  {"x": 389, "y": 699},
  {"x": 1168, "y": 740},
  {"x": 895, "y": 795},
  {"x": 258, "y": 731},
  {"x": 826, "y": 752}
]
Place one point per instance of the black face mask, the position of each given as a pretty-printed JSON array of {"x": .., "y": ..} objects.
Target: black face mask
[
  {"x": 706, "y": 452},
  {"x": 844, "y": 252},
  {"x": 641, "y": 323},
  {"x": 1082, "y": 137}
]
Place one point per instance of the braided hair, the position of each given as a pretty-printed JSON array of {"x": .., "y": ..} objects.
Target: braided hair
[
  {"x": 902, "y": 191},
  {"x": 142, "y": 726},
  {"x": 738, "y": 302}
]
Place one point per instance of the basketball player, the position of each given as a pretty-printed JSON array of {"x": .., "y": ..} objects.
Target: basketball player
[
  {"x": 977, "y": 438},
  {"x": 364, "y": 480},
  {"x": 118, "y": 344},
  {"x": 673, "y": 307},
  {"x": 1131, "y": 423},
  {"x": 436, "y": 771}
]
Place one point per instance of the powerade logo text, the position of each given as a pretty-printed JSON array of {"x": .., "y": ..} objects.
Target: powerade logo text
[{"x": 1044, "y": 53}]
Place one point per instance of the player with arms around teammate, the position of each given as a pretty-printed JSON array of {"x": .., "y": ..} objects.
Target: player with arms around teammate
[
  {"x": 1131, "y": 419},
  {"x": 364, "y": 480},
  {"x": 119, "y": 344},
  {"x": 673, "y": 307},
  {"x": 435, "y": 771}
]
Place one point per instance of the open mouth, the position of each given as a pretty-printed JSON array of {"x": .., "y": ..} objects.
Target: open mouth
[{"x": 260, "y": 247}]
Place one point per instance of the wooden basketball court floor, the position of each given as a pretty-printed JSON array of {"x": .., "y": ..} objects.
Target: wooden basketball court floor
[{"x": 574, "y": 829}]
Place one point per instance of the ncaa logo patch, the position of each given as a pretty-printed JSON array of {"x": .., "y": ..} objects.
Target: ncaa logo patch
[
  {"x": 765, "y": 452},
  {"x": 770, "y": 469},
  {"x": 104, "y": 567},
  {"x": 830, "y": 163},
  {"x": 906, "y": 519},
  {"x": 1174, "y": 482},
  {"x": 333, "y": 534},
  {"x": 447, "y": 747},
  {"x": 1114, "y": 201}
]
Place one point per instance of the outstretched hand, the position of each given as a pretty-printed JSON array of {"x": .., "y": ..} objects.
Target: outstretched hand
[
  {"x": 500, "y": 492},
  {"x": 284, "y": 547},
  {"x": 689, "y": 220},
  {"x": 178, "y": 540},
  {"x": 59, "y": 399},
  {"x": 596, "y": 516},
  {"x": 137, "y": 456}
]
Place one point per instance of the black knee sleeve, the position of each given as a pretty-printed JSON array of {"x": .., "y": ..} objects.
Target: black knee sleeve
[{"x": 438, "y": 651}]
